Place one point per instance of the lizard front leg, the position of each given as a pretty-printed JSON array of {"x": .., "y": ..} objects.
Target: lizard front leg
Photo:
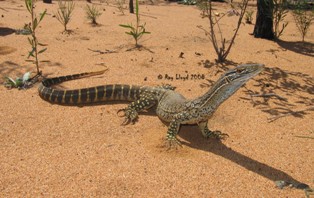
[
  {"x": 145, "y": 101},
  {"x": 208, "y": 133},
  {"x": 173, "y": 129}
]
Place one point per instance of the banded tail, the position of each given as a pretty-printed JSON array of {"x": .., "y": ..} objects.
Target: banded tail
[{"x": 86, "y": 95}]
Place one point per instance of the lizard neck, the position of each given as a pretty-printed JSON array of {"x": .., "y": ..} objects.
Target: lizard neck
[
  {"x": 226, "y": 86},
  {"x": 218, "y": 93}
]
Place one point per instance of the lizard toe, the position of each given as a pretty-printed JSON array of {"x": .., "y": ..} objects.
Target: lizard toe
[
  {"x": 172, "y": 143},
  {"x": 217, "y": 135},
  {"x": 130, "y": 115}
]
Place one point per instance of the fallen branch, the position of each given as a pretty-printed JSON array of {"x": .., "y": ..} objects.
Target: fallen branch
[
  {"x": 302, "y": 136},
  {"x": 4, "y": 9},
  {"x": 102, "y": 52}
]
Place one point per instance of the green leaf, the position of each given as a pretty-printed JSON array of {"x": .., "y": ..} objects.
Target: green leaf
[
  {"x": 130, "y": 33},
  {"x": 35, "y": 23},
  {"x": 19, "y": 82},
  {"x": 30, "y": 41},
  {"x": 42, "y": 15},
  {"x": 31, "y": 53},
  {"x": 143, "y": 32},
  {"x": 41, "y": 44},
  {"x": 41, "y": 51},
  {"x": 136, "y": 8},
  {"x": 125, "y": 26},
  {"x": 29, "y": 5},
  {"x": 11, "y": 81}
]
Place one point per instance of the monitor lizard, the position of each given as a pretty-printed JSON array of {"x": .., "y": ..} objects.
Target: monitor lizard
[{"x": 171, "y": 106}]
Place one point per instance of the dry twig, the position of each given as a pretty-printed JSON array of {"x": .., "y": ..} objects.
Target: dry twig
[{"x": 103, "y": 52}]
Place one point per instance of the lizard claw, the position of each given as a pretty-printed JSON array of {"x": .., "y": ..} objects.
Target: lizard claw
[
  {"x": 125, "y": 122},
  {"x": 121, "y": 110},
  {"x": 172, "y": 142},
  {"x": 217, "y": 135},
  {"x": 129, "y": 114}
]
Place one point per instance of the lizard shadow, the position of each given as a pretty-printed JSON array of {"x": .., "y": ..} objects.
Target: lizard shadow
[{"x": 218, "y": 148}]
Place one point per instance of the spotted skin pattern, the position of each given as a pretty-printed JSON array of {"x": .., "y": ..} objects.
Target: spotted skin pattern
[{"x": 171, "y": 106}]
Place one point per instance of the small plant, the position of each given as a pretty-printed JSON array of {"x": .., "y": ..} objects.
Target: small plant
[
  {"x": 31, "y": 27},
  {"x": 202, "y": 5},
  {"x": 279, "y": 13},
  {"x": 64, "y": 12},
  {"x": 120, "y": 6},
  {"x": 249, "y": 16},
  {"x": 138, "y": 30},
  {"x": 92, "y": 13},
  {"x": 19, "y": 82},
  {"x": 303, "y": 19},
  {"x": 221, "y": 45}
]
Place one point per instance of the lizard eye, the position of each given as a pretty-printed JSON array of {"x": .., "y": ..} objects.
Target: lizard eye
[{"x": 240, "y": 70}]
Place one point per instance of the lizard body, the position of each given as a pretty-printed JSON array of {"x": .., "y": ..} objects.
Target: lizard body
[{"x": 171, "y": 106}]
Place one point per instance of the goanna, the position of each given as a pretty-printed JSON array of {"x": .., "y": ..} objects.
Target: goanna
[{"x": 171, "y": 106}]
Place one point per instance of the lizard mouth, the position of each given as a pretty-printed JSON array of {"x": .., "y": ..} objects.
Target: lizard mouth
[{"x": 244, "y": 72}]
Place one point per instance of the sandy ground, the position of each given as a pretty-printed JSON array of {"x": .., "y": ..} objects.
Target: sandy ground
[{"x": 60, "y": 151}]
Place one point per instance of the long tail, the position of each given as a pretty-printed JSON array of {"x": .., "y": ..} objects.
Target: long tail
[
  {"x": 57, "y": 80},
  {"x": 86, "y": 95}
]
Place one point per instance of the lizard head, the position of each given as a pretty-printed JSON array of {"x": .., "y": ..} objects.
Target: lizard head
[{"x": 243, "y": 72}]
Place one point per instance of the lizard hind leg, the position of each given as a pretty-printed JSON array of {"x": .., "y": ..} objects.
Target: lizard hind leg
[
  {"x": 145, "y": 101},
  {"x": 211, "y": 134}
]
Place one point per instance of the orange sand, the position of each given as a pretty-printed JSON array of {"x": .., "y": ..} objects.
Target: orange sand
[{"x": 51, "y": 150}]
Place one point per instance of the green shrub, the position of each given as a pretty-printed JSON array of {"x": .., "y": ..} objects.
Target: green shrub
[
  {"x": 303, "y": 18},
  {"x": 120, "y": 6},
  {"x": 279, "y": 13},
  {"x": 19, "y": 82},
  {"x": 64, "y": 13},
  {"x": 249, "y": 16},
  {"x": 31, "y": 27},
  {"x": 92, "y": 13},
  {"x": 138, "y": 30}
]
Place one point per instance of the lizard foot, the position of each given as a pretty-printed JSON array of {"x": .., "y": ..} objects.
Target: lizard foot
[
  {"x": 172, "y": 142},
  {"x": 217, "y": 135},
  {"x": 130, "y": 115}
]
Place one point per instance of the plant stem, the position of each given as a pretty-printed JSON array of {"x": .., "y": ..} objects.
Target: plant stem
[
  {"x": 211, "y": 24},
  {"x": 34, "y": 38},
  {"x": 221, "y": 51},
  {"x": 137, "y": 21},
  {"x": 244, "y": 3}
]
